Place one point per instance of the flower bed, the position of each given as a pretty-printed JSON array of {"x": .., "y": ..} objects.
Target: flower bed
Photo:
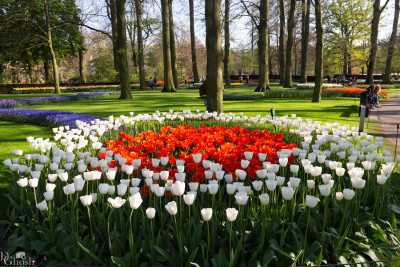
[
  {"x": 352, "y": 91},
  {"x": 169, "y": 189},
  {"x": 10, "y": 103},
  {"x": 45, "y": 117}
]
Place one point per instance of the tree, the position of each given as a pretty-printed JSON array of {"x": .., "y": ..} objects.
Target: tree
[
  {"x": 281, "y": 49},
  {"x": 377, "y": 11},
  {"x": 389, "y": 58},
  {"x": 193, "y": 43},
  {"x": 131, "y": 21},
  {"x": 172, "y": 45},
  {"x": 214, "y": 83},
  {"x": 56, "y": 75},
  {"x": 289, "y": 45},
  {"x": 347, "y": 24},
  {"x": 139, "y": 28},
  {"x": 112, "y": 14},
  {"x": 122, "y": 51},
  {"x": 263, "y": 81},
  {"x": 227, "y": 41},
  {"x": 305, "y": 26},
  {"x": 318, "y": 53},
  {"x": 169, "y": 85}
]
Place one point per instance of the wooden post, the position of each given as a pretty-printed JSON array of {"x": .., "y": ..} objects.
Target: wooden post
[
  {"x": 272, "y": 113},
  {"x": 363, "y": 110},
  {"x": 397, "y": 139}
]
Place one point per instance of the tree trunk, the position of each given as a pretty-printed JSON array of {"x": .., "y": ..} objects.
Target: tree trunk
[
  {"x": 46, "y": 70},
  {"x": 139, "y": 27},
  {"x": 215, "y": 84},
  {"x": 281, "y": 52},
  {"x": 318, "y": 53},
  {"x": 305, "y": 21},
  {"x": 227, "y": 43},
  {"x": 195, "y": 71},
  {"x": 173, "y": 48},
  {"x": 389, "y": 58},
  {"x": 345, "y": 58},
  {"x": 373, "y": 41},
  {"x": 168, "y": 78},
  {"x": 289, "y": 45},
  {"x": 82, "y": 77},
  {"x": 122, "y": 51},
  {"x": 114, "y": 33},
  {"x": 263, "y": 81},
  {"x": 57, "y": 89}
]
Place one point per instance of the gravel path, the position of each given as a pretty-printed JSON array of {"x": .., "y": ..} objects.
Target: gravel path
[{"x": 387, "y": 118}]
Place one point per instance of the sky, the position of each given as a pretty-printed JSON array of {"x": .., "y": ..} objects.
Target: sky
[{"x": 95, "y": 13}]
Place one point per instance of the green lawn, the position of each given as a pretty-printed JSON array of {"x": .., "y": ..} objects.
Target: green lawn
[{"x": 341, "y": 109}]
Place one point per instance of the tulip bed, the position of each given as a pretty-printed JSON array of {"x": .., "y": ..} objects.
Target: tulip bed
[{"x": 192, "y": 188}]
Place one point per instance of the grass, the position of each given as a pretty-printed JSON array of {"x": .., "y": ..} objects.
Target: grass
[{"x": 339, "y": 109}]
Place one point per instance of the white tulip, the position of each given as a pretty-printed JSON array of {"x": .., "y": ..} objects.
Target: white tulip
[
  {"x": 203, "y": 188},
  {"x": 42, "y": 206},
  {"x": 103, "y": 188},
  {"x": 241, "y": 198},
  {"x": 310, "y": 184},
  {"x": 178, "y": 188},
  {"x": 151, "y": 213},
  {"x": 257, "y": 185},
  {"x": 52, "y": 177},
  {"x": 196, "y": 158},
  {"x": 367, "y": 165},
  {"x": 121, "y": 189},
  {"x": 244, "y": 163},
  {"x": 86, "y": 200},
  {"x": 189, "y": 198},
  {"x": 219, "y": 175},
  {"x": 287, "y": 192},
  {"x": 339, "y": 196},
  {"x": 63, "y": 176},
  {"x": 50, "y": 187},
  {"x": 116, "y": 202},
  {"x": 111, "y": 173},
  {"x": 326, "y": 178},
  {"x": 155, "y": 162},
  {"x": 283, "y": 161},
  {"x": 213, "y": 188},
  {"x": 171, "y": 208},
  {"x": 111, "y": 189},
  {"x": 294, "y": 169},
  {"x": 248, "y": 155},
  {"x": 164, "y": 161},
  {"x": 79, "y": 183},
  {"x": 324, "y": 189},
  {"x": 280, "y": 180},
  {"x": 312, "y": 201},
  {"x": 358, "y": 183},
  {"x": 294, "y": 182},
  {"x": 241, "y": 174},
  {"x": 164, "y": 175},
  {"x": 316, "y": 171},
  {"x": 356, "y": 172},
  {"x": 230, "y": 189},
  {"x": 231, "y": 214},
  {"x": 348, "y": 194},
  {"x": 69, "y": 189},
  {"x": 264, "y": 198},
  {"x": 193, "y": 186},
  {"x": 271, "y": 184},
  {"x": 340, "y": 171},
  {"x": 381, "y": 179},
  {"x": 34, "y": 182},
  {"x": 135, "y": 201},
  {"x": 261, "y": 174},
  {"x": 48, "y": 195},
  {"x": 23, "y": 182},
  {"x": 262, "y": 157},
  {"x": 206, "y": 214}
]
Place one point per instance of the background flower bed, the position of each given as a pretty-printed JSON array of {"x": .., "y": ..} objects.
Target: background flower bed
[
  {"x": 10, "y": 103},
  {"x": 283, "y": 230}
]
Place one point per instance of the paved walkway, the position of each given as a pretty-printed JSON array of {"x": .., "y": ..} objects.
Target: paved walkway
[{"x": 387, "y": 117}]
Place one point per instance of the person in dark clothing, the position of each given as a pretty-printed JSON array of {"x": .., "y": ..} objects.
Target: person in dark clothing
[{"x": 366, "y": 100}]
